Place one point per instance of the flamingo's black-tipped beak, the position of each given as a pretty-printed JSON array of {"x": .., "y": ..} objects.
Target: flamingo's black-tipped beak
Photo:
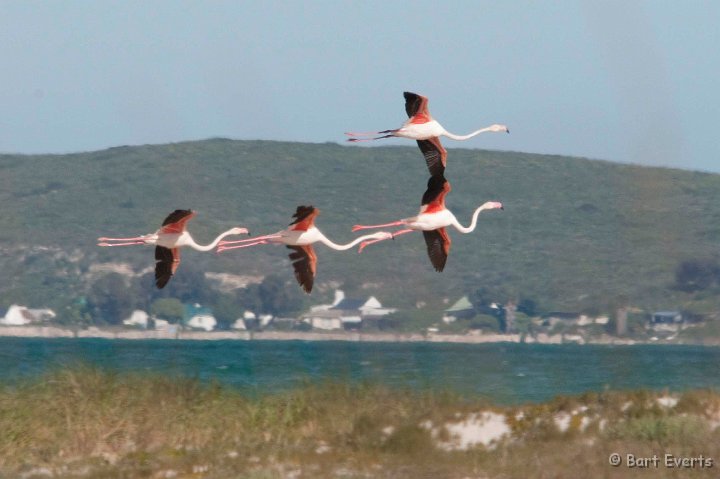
[
  {"x": 502, "y": 208},
  {"x": 507, "y": 130}
]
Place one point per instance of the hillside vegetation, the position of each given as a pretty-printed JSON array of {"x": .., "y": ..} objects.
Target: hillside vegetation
[{"x": 573, "y": 232}]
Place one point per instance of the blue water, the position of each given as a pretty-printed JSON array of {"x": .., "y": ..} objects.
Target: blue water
[{"x": 501, "y": 373}]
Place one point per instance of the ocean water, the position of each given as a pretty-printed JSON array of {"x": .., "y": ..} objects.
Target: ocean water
[{"x": 502, "y": 373}]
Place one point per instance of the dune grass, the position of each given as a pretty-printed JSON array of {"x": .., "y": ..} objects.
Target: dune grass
[{"x": 86, "y": 422}]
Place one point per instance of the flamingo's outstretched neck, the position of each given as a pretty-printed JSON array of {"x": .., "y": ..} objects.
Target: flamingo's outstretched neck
[
  {"x": 490, "y": 205},
  {"x": 191, "y": 242},
  {"x": 392, "y": 236},
  {"x": 493, "y": 128}
]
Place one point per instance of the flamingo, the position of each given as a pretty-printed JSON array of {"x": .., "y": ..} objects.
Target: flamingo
[
  {"x": 168, "y": 240},
  {"x": 422, "y": 127},
  {"x": 299, "y": 237},
  {"x": 432, "y": 220}
]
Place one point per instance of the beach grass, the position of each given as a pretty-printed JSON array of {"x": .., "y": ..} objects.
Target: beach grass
[{"x": 88, "y": 422}]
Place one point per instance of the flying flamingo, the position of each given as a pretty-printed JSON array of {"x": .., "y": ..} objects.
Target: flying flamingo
[
  {"x": 422, "y": 127},
  {"x": 168, "y": 240},
  {"x": 299, "y": 237},
  {"x": 432, "y": 220}
]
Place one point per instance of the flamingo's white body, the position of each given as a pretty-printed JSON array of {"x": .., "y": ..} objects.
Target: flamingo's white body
[
  {"x": 432, "y": 220},
  {"x": 291, "y": 237},
  {"x": 300, "y": 237},
  {"x": 440, "y": 219},
  {"x": 427, "y": 131},
  {"x": 170, "y": 240},
  {"x": 432, "y": 129},
  {"x": 167, "y": 241}
]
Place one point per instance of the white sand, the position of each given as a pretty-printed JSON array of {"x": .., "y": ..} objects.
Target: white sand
[
  {"x": 484, "y": 428},
  {"x": 562, "y": 421},
  {"x": 667, "y": 401}
]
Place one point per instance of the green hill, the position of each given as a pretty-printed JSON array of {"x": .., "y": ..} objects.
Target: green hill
[{"x": 575, "y": 232}]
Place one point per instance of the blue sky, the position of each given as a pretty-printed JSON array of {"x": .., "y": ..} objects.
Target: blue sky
[{"x": 623, "y": 81}]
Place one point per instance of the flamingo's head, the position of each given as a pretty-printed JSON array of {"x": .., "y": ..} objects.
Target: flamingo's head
[
  {"x": 493, "y": 205},
  {"x": 499, "y": 128},
  {"x": 239, "y": 231}
]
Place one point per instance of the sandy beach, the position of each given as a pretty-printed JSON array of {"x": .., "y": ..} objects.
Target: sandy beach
[{"x": 94, "y": 332}]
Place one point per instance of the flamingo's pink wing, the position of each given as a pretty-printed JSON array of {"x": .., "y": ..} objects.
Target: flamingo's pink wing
[
  {"x": 438, "y": 247},
  {"x": 304, "y": 218},
  {"x": 166, "y": 263},
  {"x": 435, "y": 155},
  {"x": 415, "y": 104},
  {"x": 176, "y": 221},
  {"x": 304, "y": 263},
  {"x": 434, "y": 198}
]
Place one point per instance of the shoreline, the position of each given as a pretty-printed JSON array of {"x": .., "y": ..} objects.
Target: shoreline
[{"x": 51, "y": 332}]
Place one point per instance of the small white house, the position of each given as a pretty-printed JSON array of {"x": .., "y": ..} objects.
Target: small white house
[
  {"x": 357, "y": 307},
  {"x": 265, "y": 319},
  {"x": 43, "y": 314},
  {"x": 326, "y": 320},
  {"x": 462, "y": 309},
  {"x": 17, "y": 315},
  {"x": 351, "y": 322},
  {"x": 252, "y": 320},
  {"x": 202, "y": 321},
  {"x": 339, "y": 296},
  {"x": 161, "y": 324},
  {"x": 345, "y": 313},
  {"x": 199, "y": 317},
  {"x": 137, "y": 318},
  {"x": 372, "y": 307},
  {"x": 602, "y": 320},
  {"x": 242, "y": 323}
]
